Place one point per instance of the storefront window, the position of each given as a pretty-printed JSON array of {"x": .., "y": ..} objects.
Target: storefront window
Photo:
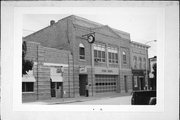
[
  {"x": 27, "y": 86},
  {"x": 99, "y": 53},
  {"x": 81, "y": 51},
  {"x": 135, "y": 81},
  {"x": 112, "y": 54}
]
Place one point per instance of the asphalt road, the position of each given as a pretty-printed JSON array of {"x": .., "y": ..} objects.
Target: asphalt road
[{"x": 125, "y": 100}]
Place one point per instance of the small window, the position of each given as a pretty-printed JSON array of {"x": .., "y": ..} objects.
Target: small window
[
  {"x": 28, "y": 87},
  {"x": 81, "y": 51},
  {"x": 124, "y": 58}
]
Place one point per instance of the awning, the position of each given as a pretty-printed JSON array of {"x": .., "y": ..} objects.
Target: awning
[
  {"x": 56, "y": 74},
  {"x": 55, "y": 78},
  {"x": 29, "y": 77}
]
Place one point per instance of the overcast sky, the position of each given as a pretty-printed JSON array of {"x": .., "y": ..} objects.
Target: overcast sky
[{"x": 141, "y": 23}]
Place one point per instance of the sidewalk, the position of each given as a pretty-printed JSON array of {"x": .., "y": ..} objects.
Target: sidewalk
[{"x": 77, "y": 99}]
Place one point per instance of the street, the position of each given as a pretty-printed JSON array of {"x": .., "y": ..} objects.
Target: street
[{"x": 126, "y": 100}]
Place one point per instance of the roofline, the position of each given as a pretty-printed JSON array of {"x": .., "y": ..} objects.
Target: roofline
[
  {"x": 134, "y": 42},
  {"x": 40, "y": 30}
]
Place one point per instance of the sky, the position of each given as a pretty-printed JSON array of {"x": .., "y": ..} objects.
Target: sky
[{"x": 141, "y": 23}]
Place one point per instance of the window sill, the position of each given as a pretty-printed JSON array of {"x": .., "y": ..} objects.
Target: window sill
[
  {"x": 113, "y": 63},
  {"x": 28, "y": 92},
  {"x": 82, "y": 60}
]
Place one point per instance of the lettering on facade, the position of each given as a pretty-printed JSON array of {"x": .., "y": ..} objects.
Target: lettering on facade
[
  {"x": 99, "y": 70},
  {"x": 107, "y": 71}
]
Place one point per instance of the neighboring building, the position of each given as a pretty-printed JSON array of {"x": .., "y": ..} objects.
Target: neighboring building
[
  {"x": 140, "y": 67},
  {"x": 51, "y": 73},
  {"x": 104, "y": 65},
  {"x": 152, "y": 79}
]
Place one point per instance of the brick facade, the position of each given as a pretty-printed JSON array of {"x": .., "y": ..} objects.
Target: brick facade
[
  {"x": 140, "y": 65},
  {"x": 41, "y": 55},
  {"x": 60, "y": 43}
]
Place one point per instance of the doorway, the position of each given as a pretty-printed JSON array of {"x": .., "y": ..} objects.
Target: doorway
[
  {"x": 56, "y": 89},
  {"x": 82, "y": 84},
  {"x": 142, "y": 83},
  {"x": 125, "y": 84}
]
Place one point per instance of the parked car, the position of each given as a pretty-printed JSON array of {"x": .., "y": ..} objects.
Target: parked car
[{"x": 143, "y": 97}]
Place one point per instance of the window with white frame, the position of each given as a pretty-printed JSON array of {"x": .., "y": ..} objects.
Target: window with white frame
[
  {"x": 135, "y": 62},
  {"x": 81, "y": 51},
  {"x": 99, "y": 53},
  {"x": 113, "y": 54},
  {"x": 140, "y": 63},
  {"x": 124, "y": 57}
]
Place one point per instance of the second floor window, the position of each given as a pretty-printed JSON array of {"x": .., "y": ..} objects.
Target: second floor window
[
  {"x": 81, "y": 51},
  {"x": 124, "y": 58},
  {"x": 99, "y": 53},
  {"x": 144, "y": 60},
  {"x": 140, "y": 63},
  {"x": 135, "y": 62},
  {"x": 113, "y": 55}
]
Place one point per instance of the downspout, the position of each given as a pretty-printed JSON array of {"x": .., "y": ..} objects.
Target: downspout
[
  {"x": 37, "y": 72},
  {"x": 68, "y": 75}
]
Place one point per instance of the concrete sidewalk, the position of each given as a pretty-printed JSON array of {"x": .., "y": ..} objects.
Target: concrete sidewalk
[{"x": 77, "y": 99}]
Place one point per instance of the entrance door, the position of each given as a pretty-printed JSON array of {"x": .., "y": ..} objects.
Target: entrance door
[
  {"x": 125, "y": 84},
  {"x": 56, "y": 89},
  {"x": 142, "y": 83},
  {"x": 53, "y": 89},
  {"x": 82, "y": 84}
]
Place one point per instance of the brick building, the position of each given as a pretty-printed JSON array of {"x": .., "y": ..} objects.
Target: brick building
[
  {"x": 105, "y": 65},
  {"x": 139, "y": 65},
  {"x": 51, "y": 73}
]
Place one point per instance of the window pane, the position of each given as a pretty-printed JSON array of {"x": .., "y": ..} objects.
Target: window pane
[
  {"x": 103, "y": 54},
  {"x": 82, "y": 51},
  {"x": 113, "y": 57},
  {"x": 28, "y": 87},
  {"x": 95, "y": 53},
  {"x": 23, "y": 87},
  {"x": 99, "y": 55},
  {"x": 109, "y": 55},
  {"x": 116, "y": 57}
]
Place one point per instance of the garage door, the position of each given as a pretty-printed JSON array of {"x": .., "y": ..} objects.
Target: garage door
[{"x": 105, "y": 83}]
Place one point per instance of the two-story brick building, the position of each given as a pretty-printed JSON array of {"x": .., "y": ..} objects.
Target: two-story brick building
[
  {"x": 104, "y": 65},
  {"x": 139, "y": 65}
]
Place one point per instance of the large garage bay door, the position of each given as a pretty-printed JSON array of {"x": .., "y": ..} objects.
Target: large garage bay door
[{"x": 105, "y": 83}]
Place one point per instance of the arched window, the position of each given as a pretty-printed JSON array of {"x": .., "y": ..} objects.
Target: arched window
[
  {"x": 144, "y": 61},
  {"x": 81, "y": 51},
  {"x": 140, "y": 63},
  {"x": 135, "y": 62},
  {"x": 124, "y": 58}
]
